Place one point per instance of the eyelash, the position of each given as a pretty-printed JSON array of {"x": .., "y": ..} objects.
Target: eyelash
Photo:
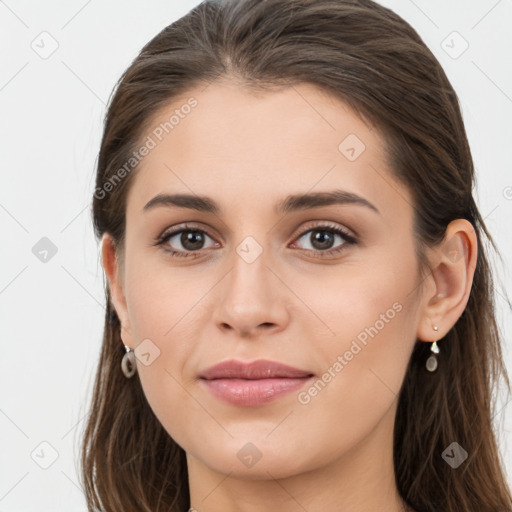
[{"x": 326, "y": 227}]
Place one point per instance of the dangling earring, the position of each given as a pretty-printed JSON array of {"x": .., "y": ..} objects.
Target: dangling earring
[
  {"x": 432, "y": 360},
  {"x": 128, "y": 363}
]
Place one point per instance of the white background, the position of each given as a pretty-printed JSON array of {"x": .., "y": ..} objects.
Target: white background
[{"x": 50, "y": 127}]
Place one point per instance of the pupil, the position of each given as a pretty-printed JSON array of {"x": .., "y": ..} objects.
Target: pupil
[
  {"x": 191, "y": 240},
  {"x": 322, "y": 239}
]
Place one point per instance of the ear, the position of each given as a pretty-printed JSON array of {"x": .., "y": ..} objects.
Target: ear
[
  {"x": 453, "y": 267},
  {"x": 113, "y": 271}
]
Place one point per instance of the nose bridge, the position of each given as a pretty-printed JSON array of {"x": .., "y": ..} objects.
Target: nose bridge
[
  {"x": 249, "y": 276},
  {"x": 250, "y": 294}
]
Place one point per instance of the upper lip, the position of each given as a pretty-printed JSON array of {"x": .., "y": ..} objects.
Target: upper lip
[{"x": 261, "y": 369}]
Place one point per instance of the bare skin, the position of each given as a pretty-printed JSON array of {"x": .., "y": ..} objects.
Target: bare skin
[{"x": 330, "y": 450}]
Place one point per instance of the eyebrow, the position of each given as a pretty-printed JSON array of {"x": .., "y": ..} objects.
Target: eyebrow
[{"x": 291, "y": 203}]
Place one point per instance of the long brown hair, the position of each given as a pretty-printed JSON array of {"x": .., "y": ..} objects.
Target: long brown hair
[{"x": 373, "y": 60}]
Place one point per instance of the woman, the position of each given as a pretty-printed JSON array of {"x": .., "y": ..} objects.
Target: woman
[{"x": 299, "y": 302}]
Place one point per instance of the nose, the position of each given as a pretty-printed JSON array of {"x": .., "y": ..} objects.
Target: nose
[{"x": 253, "y": 300}]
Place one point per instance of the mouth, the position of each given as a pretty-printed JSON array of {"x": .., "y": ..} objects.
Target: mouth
[{"x": 253, "y": 384}]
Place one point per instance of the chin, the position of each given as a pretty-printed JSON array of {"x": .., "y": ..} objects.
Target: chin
[{"x": 253, "y": 460}]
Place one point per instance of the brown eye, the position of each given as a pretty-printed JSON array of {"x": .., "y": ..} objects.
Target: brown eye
[
  {"x": 192, "y": 240},
  {"x": 185, "y": 241},
  {"x": 322, "y": 239}
]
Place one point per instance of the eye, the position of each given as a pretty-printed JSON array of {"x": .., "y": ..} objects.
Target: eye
[
  {"x": 190, "y": 238},
  {"x": 322, "y": 238}
]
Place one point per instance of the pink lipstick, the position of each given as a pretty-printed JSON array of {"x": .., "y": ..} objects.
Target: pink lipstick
[{"x": 253, "y": 384}]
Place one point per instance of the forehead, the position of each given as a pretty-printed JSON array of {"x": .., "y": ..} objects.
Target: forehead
[{"x": 252, "y": 149}]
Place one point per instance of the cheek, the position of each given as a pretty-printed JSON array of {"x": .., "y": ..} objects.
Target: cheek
[
  {"x": 165, "y": 307},
  {"x": 357, "y": 299},
  {"x": 364, "y": 365},
  {"x": 166, "y": 316},
  {"x": 159, "y": 296},
  {"x": 367, "y": 323}
]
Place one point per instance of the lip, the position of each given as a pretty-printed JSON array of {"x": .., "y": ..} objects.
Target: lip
[{"x": 253, "y": 384}]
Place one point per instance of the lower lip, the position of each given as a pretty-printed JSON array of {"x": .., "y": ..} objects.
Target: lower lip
[{"x": 251, "y": 393}]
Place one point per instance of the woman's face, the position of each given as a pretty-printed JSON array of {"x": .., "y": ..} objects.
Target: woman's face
[{"x": 265, "y": 277}]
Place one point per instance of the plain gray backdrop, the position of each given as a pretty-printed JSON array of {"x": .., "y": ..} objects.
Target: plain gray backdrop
[{"x": 58, "y": 65}]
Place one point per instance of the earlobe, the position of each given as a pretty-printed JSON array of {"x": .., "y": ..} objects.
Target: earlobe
[
  {"x": 113, "y": 273},
  {"x": 453, "y": 267}
]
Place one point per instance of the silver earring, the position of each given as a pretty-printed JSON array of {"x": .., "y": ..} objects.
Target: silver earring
[
  {"x": 432, "y": 360},
  {"x": 128, "y": 363}
]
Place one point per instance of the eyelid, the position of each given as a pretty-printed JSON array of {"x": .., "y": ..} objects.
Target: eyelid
[
  {"x": 175, "y": 230},
  {"x": 318, "y": 224}
]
